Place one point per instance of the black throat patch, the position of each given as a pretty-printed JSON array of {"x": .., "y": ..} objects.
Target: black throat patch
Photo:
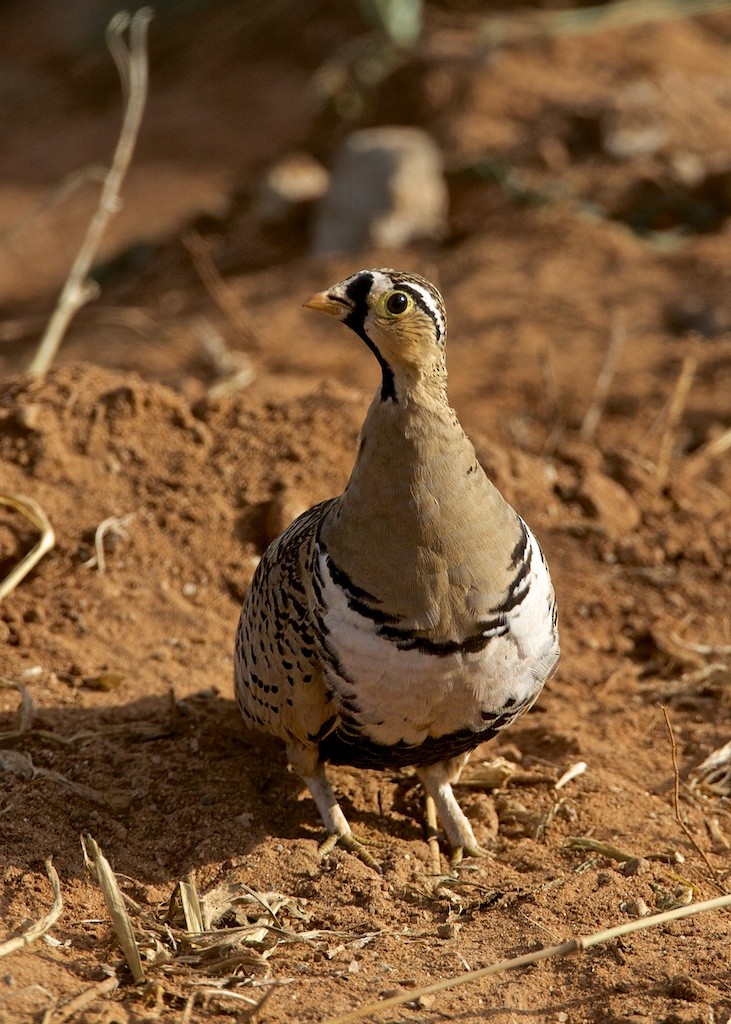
[{"x": 358, "y": 291}]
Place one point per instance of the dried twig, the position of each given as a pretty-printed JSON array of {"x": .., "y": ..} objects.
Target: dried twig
[
  {"x": 26, "y": 711},
  {"x": 32, "y": 511},
  {"x": 79, "y": 288},
  {"x": 234, "y": 369},
  {"x": 253, "y": 1004},
  {"x": 44, "y": 924},
  {"x": 575, "y": 945},
  {"x": 675, "y": 412},
  {"x": 99, "y": 866},
  {"x": 222, "y": 294},
  {"x": 617, "y": 338},
  {"x": 80, "y": 1002},
  {"x": 589, "y": 20},
  {"x": 70, "y": 184},
  {"x": 676, "y": 803},
  {"x": 571, "y": 773},
  {"x": 112, "y": 523}
]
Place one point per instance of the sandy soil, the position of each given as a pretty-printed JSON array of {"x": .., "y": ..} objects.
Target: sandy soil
[{"x": 136, "y": 739}]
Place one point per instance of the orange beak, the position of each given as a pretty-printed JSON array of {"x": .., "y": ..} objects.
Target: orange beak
[{"x": 325, "y": 304}]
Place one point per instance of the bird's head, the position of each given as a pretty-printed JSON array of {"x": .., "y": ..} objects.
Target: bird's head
[{"x": 400, "y": 317}]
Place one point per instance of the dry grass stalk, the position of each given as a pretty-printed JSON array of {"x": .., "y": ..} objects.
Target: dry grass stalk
[
  {"x": 25, "y": 713},
  {"x": 80, "y": 1002},
  {"x": 209, "y": 993},
  {"x": 617, "y": 339},
  {"x": 79, "y": 288},
  {"x": 233, "y": 368},
  {"x": 22, "y": 765},
  {"x": 32, "y": 511},
  {"x": 614, "y": 853},
  {"x": 589, "y": 20},
  {"x": 222, "y": 294},
  {"x": 44, "y": 924},
  {"x": 675, "y": 413},
  {"x": 191, "y": 906},
  {"x": 117, "y": 524},
  {"x": 70, "y": 184},
  {"x": 576, "y": 945},
  {"x": 100, "y": 868},
  {"x": 571, "y": 773},
  {"x": 676, "y": 804}
]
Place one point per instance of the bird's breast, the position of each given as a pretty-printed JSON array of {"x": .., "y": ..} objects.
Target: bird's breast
[{"x": 400, "y": 686}]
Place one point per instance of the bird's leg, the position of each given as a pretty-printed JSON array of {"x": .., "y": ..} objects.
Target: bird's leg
[
  {"x": 306, "y": 762},
  {"x": 437, "y": 781}
]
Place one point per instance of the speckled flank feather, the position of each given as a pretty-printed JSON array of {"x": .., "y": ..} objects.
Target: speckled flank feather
[{"x": 412, "y": 617}]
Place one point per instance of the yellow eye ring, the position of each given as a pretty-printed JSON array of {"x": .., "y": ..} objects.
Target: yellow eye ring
[{"x": 397, "y": 303}]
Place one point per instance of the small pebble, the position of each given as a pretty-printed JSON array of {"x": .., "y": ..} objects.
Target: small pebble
[
  {"x": 636, "y": 866},
  {"x": 635, "y": 908}
]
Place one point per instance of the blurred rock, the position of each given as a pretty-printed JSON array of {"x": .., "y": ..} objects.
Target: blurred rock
[
  {"x": 294, "y": 180},
  {"x": 387, "y": 189},
  {"x": 694, "y": 314},
  {"x": 634, "y": 128},
  {"x": 606, "y": 500}
]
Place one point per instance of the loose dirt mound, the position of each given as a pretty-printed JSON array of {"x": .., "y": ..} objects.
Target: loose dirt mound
[{"x": 130, "y": 671}]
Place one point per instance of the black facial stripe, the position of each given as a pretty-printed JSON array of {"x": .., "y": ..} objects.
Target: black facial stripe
[{"x": 358, "y": 291}]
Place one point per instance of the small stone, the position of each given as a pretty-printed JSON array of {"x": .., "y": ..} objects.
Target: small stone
[
  {"x": 387, "y": 189},
  {"x": 293, "y": 181},
  {"x": 606, "y": 500},
  {"x": 635, "y": 866},
  {"x": 635, "y": 908},
  {"x": 105, "y": 682},
  {"x": 27, "y": 416},
  {"x": 682, "y": 986},
  {"x": 189, "y": 590}
]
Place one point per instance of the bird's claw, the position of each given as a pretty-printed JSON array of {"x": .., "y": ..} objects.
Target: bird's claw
[
  {"x": 353, "y": 844},
  {"x": 469, "y": 850}
]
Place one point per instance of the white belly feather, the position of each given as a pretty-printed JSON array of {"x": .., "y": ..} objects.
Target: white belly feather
[{"x": 410, "y": 695}]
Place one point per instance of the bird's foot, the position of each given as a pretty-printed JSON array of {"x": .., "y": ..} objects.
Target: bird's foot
[
  {"x": 469, "y": 850},
  {"x": 353, "y": 844}
]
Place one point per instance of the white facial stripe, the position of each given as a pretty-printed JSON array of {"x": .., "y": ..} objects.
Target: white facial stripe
[{"x": 428, "y": 300}]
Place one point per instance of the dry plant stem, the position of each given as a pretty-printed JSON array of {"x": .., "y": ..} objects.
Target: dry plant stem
[
  {"x": 114, "y": 900},
  {"x": 224, "y": 296},
  {"x": 79, "y": 289},
  {"x": 675, "y": 412},
  {"x": 598, "y": 18},
  {"x": 26, "y": 711},
  {"x": 605, "y": 378},
  {"x": 576, "y": 945},
  {"x": 45, "y": 924},
  {"x": 32, "y": 511},
  {"x": 676, "y": 804},
  {"x": 79, "y": 1002},
  {"x": 70, "y": 184}
]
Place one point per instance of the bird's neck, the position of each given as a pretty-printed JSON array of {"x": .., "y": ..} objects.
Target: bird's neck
[{"x": 415, "y": 506}]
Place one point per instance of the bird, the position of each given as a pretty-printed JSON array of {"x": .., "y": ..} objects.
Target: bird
[{"x": 412, "y": 617}]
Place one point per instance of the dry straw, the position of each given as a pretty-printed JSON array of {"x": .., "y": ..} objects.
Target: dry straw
[
  {"x": 32, "y": 511},
  {"x": 79, "y": 288},
  {"x": 575, "y": 945},
  {"x": 44, "y": 924}
]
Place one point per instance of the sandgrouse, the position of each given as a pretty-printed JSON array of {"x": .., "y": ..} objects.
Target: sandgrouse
[{"x": 412, "y": 617}]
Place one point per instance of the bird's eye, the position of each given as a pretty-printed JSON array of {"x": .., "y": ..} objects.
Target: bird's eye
[{"x": 397, "y": 302}]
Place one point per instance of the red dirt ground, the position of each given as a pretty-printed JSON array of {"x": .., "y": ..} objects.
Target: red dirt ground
[{"x": 130, "y": 668}]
